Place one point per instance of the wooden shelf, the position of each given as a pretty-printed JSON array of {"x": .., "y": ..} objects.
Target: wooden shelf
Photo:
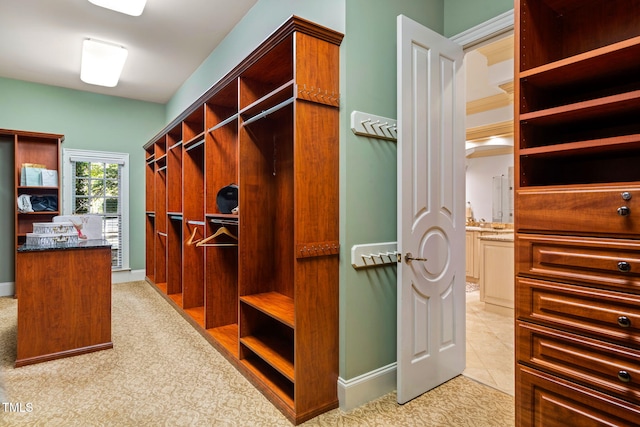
[
  {"x": 227, "y": 336},
  {"x": 618, "y": 58},
  {"x": 162, "y": 286},
  {"x": 197, "y": 314},
  {"x": 276, "y": 352},
  {"x": 595, "y": 146},
  {"x": 35, "y": 187},
  {"x": 273, "y": 304},
  {"x": 276, "y": 384},
  {"x": 586, "y": 110}
]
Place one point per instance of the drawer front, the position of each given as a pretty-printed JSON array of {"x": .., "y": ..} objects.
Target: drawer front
[
  {"x": 595, "y": 364},
  {"x": 597, "y": 313},
  {"x": 610, "y": 263},
  {"x": 553, "y": 402},
  {"x": 581, "y": 210}
]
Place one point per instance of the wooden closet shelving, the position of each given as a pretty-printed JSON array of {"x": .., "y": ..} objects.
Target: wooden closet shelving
[
  {"x": 577, "y": 204},
  {"x": 36, "y": 148},
  {"x": 264, "y": 292}
]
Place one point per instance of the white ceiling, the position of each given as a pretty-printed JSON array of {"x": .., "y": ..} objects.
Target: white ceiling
[{"x": 41, "y": 41}]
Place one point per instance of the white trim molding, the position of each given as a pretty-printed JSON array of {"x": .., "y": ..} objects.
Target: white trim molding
[
  {"x": 122, "y": 276},
  {"x": 491, "y": 28},
  {"x": 72, "y": 154},
  {"x": 366, "y": 387},
  {"x": 7, "y": 289}
]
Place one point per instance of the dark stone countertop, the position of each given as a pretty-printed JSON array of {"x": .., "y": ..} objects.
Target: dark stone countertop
[{"x": 83, "y": 244}]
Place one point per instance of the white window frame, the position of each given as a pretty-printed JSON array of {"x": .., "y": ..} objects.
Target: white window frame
[{"x": 99, "y": 157}]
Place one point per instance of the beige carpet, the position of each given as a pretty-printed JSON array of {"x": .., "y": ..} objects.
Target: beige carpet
[{"x": 163, "y": 373}]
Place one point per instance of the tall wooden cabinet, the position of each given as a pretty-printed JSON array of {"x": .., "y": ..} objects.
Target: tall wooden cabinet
[
  {"x": 260, "y": 284},
  {"x": 577, "y": 210},
  {"x": 35, "y": 148}
]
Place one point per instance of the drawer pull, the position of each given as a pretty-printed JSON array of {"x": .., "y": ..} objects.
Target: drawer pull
[
  {"x": 626, "y": 195},
  {"x": 624, "y": 267},
  {"x": 624, "y": 321},
  {"x": 624, "y": 211},
  {"x": 624, "y": 376}
]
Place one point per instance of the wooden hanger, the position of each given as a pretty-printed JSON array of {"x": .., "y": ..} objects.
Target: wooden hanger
[
  {"x": 222, "y": 230},
  {"x": 193, "y": 235}
]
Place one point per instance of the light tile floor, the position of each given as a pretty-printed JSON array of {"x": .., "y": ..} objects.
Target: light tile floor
[{"x": 490, "y": 358}]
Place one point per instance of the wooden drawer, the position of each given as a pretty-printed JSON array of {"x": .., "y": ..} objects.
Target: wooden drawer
[
  {"x": 606, "y": 367},
  {"x": 597, "y": 313},
  {"x": 589, "y": 210},
  {"x": 552, "y": 402},
  {"x": 610, "y": 263}
]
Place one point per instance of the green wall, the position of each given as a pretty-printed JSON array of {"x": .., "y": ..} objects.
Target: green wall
[
  {"x": 88, "y": 121},
  {"x": 368, "y": 178},
  {"x": 460, "y": 15}
]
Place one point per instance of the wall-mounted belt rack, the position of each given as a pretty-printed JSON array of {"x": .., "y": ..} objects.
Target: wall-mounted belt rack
[
  {"x": 374, "y": 255},
  {"x": 365, "y": 124}
]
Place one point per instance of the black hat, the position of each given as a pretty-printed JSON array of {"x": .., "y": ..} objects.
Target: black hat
[{"x": 227, "y": 198}]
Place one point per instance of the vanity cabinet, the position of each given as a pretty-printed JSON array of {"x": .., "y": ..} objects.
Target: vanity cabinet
[
  {"x": 261, "y": 282},
  {"x": 577, "y": 219},
  {"x": 497, "y": 272},
  {"x": 471, "y": 249}
]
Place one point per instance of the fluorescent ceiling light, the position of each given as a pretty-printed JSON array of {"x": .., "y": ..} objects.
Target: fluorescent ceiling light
[
  {"x": 102, "y": 62},
  {"x": 130, "y": 7}
]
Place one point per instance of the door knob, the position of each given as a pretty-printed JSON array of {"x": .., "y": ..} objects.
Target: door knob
[{"x": 409, "y": 257}]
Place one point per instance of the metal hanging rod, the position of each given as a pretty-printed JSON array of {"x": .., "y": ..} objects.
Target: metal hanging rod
[
  {"x": 269, "y": 111},
  {"x": 224, "y": 122}
]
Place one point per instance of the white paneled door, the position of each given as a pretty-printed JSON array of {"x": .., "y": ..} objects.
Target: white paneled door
[{"x": 431, "y": 219}]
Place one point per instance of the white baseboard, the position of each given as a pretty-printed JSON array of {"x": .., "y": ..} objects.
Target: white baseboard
[
  {"x": 7, "y": 289},
  {"x": 127, "y": 276},
  {"x": 366, "y": 387}
]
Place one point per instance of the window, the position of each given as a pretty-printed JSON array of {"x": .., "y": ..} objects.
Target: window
[{"x": 97, "y": 183}]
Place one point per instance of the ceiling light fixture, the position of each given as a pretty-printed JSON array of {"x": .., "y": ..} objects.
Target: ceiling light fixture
[
  {"x": 102, "y": 62},
  {"x": 130, "y": 7}
]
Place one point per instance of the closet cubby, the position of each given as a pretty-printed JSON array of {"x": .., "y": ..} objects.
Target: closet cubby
[
  {"x": 150, "y": 209},
  {"x": 273, "y": 70},
  {"x": 194, "y": 227},
  {"x": 174, "y": 254},
  {"x": 174, "y": 171},
  {"x": 261, "y": 284},
  {"x": 193, "y": 128},
  {"x": 564, "y": 22},
  {"x": 160, "y": 189}
]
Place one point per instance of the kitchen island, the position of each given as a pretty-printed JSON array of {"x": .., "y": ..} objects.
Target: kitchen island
[{"x": 64, "y": 300}]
